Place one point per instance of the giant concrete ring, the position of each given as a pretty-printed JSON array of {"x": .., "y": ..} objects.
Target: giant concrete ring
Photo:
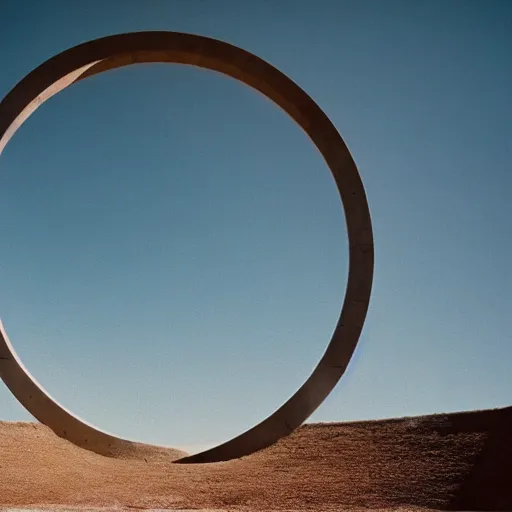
[{"x": 116, "y": 51}]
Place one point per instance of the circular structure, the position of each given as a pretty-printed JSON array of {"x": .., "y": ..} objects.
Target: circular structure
[{"x": 116, "y": 51}]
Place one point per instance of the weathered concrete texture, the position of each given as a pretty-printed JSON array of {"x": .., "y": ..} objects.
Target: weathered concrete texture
[{"x": 121, "y": 50}]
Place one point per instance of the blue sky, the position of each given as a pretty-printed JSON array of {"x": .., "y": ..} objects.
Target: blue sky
[{"x": 173, "y": 248}]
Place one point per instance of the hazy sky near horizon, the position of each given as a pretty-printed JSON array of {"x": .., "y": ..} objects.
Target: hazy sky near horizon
[{"x": 173, "y": 248}]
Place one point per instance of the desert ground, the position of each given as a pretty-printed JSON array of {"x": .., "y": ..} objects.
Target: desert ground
[{"x": 457, "y": 461}]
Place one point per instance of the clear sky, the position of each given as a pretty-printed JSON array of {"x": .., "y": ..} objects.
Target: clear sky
[{"x": 173, "y": 248}]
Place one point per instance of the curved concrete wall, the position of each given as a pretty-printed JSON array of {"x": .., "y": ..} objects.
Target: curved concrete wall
[{"x": 121, "y": 50}]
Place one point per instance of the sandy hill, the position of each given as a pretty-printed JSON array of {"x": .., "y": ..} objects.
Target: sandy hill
[{"x": 447, "y": 462}]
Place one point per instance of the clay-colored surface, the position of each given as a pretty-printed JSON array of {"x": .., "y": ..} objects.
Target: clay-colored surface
[
  {"x": 459, "y": 461},
  {"x": 115, "y": 51}
]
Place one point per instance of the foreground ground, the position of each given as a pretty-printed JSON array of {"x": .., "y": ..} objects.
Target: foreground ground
[{"x": 456, "y": 461}]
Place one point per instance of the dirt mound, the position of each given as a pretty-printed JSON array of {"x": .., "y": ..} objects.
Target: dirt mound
[
  {"x": 453, "y": 461},
  {"x": 43, "y": 441}
]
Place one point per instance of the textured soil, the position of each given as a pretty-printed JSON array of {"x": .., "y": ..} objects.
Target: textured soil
[{"x": 443, "y": 462}]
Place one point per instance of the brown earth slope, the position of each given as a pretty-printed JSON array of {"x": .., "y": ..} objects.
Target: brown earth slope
[{"x": 454, "y": 461}]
